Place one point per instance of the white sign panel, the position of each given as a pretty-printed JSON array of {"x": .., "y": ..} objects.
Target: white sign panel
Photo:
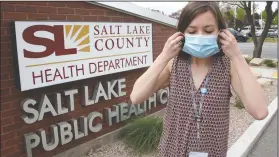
[{"x": 51, "y": 53}]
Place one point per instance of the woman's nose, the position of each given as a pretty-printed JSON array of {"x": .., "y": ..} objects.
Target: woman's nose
[{"x": 200, "y": 33}]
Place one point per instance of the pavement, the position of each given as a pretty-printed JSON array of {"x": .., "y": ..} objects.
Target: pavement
[
  {"x": 265, "y": 72},
  {"x": 260, "y": 139},
  {"x": 269, "y": 49},
  {"x": 267, "y": 146}
]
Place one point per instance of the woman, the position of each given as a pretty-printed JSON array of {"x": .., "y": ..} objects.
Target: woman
[{"x": 199, "y": 72}]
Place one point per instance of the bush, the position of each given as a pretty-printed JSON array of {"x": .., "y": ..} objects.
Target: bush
[
  {"x": 267, "y": 61},
  {"x": 271, "y": 65},
  {"x": 248, "y": 60},
  {"x": 239, "y": 104},
  {"x": 143, "y": 134}
]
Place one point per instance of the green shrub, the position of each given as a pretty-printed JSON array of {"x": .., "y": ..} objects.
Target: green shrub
[
  {"x": 271, "y": 65},
  {"x": 143, "y": 134},
  {"x": 248, "y": 60},
  {"x": 239, "y": 104},
  {"x": 267, "y": 61},
  {"x": 273, "y": 40}
]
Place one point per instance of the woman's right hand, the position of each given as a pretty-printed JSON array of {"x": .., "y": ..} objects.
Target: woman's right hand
[
  {"x": 158, "y": 73},
  {"x": 173, "y": 45}
]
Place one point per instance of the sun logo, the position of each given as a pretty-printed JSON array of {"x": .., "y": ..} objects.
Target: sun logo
[{"x": 77, "y": 36}]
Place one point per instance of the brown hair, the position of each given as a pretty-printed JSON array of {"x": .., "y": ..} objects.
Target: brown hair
[{"x": 192, "y": 9}]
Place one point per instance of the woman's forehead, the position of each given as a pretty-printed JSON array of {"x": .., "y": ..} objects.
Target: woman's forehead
[{"x": 206, "y": 19}]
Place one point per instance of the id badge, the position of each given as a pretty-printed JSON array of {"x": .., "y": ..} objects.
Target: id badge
[{"x": 198, "y": 154}]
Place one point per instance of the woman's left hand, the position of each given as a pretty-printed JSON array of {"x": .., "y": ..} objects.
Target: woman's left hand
[{"x": 229, "y": 44}]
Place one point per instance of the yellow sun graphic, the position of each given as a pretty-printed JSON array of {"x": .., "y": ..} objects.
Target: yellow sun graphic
[{"x": 77, "y": 36}]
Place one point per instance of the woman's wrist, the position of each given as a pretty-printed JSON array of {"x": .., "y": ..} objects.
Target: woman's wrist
[
  {"x": 163, "y": 58},
  {"x": 239, "y": 63},
  {"x": 237, "y": 58}
]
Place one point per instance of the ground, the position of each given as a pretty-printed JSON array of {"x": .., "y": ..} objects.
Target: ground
[{"x": 267, "y": 144}]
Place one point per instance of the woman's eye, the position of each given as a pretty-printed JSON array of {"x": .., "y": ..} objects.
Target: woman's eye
[
  {"x": 209, "y": 32},
  {"x": 191, "y": 32}
]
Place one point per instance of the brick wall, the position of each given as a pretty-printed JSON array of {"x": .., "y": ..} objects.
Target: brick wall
[{"x": 12, "y": 126}]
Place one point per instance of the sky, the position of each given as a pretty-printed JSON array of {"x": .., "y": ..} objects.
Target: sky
[{"x": 170, "y": 7}]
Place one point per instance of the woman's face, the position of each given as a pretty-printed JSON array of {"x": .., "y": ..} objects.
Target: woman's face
[{"x": 203, "y": 24}]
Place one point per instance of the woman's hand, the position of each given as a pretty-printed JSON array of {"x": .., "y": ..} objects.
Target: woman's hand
[
  {"x": 229, "y": 44},
  {"x": 173, "y": 45},
  {"x": 243, "y": 81},
  {"x": 158, "y": 73}
]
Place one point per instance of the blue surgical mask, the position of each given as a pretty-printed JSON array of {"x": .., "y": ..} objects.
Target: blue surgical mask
[{"x": 201, "y": 46}]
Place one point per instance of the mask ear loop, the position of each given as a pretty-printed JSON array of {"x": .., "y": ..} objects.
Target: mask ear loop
[{"x": 218, "y": 38}]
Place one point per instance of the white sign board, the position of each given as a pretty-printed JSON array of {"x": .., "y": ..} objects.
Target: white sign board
[{"x": 51, "y": 53}]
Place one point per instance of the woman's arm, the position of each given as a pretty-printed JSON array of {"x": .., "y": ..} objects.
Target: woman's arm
[
  {"x": 158, "y": 73},
  {"x": 244, "y": 82},
  {"x": 248, "y": 89},
  {"x": 155, "y": 77}
]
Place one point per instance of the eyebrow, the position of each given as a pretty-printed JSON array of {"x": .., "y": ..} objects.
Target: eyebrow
[{"x": 205, "y": 26}]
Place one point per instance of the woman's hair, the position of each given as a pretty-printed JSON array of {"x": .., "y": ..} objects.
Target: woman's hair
[{"x": 192, "y": 9}]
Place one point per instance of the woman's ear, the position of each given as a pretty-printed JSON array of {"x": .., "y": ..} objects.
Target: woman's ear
[
  {"x": 183, "y": 40},
  {"x": 218, "y": 39}
]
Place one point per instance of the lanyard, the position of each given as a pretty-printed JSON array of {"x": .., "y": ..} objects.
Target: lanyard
[{"x": 197, "y": 112}]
